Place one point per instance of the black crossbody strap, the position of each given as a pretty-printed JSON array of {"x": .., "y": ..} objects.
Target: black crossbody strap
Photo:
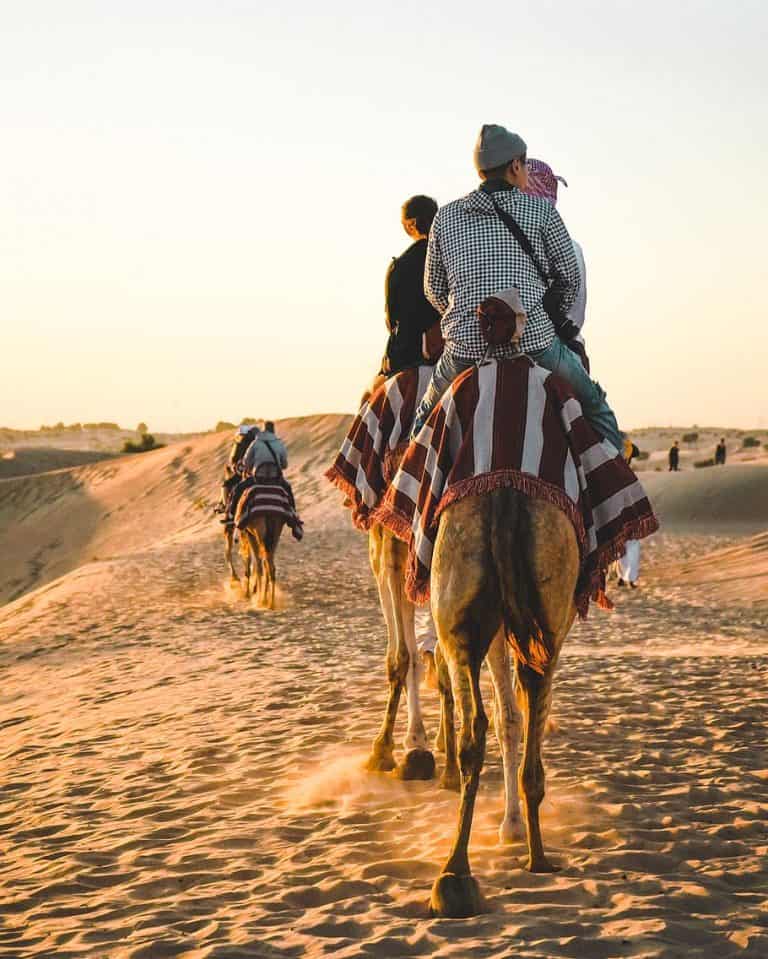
[
  {"x": 273, "y": 455},
  {"x": 516, "y": 230}
]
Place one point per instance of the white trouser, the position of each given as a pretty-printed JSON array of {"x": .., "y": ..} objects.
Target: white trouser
[{"x": 629, "y": 563}]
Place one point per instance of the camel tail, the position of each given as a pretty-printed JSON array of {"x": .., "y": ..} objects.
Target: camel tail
[{"x": 512, "y": 550}]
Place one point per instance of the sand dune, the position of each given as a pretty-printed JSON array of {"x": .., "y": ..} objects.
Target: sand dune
[{"x": 183, "y": 774}]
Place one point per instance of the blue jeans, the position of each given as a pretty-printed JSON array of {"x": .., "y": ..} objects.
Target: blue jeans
[
  {"x": 559, "y": 359},
  {"x": 445, "y": 372}
]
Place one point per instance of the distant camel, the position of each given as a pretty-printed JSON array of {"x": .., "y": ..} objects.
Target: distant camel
[
  {"x": 258, "y": 544},
  {"x": 504, "y": 569}
]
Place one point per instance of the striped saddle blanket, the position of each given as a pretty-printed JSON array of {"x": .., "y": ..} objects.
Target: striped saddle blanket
[
  {"x": 367, "y": 460},
  {"x": 262, "y": 499},
  {"x": 510, "y": 423}
]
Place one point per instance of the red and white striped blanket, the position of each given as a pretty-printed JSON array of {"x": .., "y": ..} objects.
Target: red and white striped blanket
[
  {"x": 262, "y": 499},
  {"x": 514, "y": 424},
  {"x": 366, "y": 463}
]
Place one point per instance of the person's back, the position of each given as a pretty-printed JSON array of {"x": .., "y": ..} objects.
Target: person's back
[
  {"x": 409, "y": 314},
  {"x": 482, "y": 244},
  {"x": 266, "y": 449}
]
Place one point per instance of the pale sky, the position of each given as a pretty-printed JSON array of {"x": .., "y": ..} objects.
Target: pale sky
[{"x": 199, "y": 200}]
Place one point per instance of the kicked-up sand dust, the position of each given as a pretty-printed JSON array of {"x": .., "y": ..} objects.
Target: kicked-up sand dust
[{"x": 182, "y": 774}]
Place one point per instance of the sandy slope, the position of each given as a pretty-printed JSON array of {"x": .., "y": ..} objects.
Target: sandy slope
[{"x": 182, "y": 774}]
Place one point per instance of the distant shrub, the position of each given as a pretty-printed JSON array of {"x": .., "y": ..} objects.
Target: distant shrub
[
  {"x": 750, "y": 441},
  {"x": 100, "y": 426},
  {"x": 643, "y": 455},
  {"x": 142, "y": 428},
  {"x": 147, "y": 443},
  {"x": 700, "y": 464},
  {"x": 223, "y": 426},
  {"x": 690, "y": 437},
  {"x": 248, "y": 421},
  {"x": 75, "y": 427}
]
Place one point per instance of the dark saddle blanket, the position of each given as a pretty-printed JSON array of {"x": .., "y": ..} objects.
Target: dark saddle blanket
[{"x": 265, "y": 499}]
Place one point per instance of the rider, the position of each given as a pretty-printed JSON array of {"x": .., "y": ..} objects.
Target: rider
[
  {"x": 264, "y": 460},
  {"x": 245, "y": 434},
  {"x": 473, "y": 252}
]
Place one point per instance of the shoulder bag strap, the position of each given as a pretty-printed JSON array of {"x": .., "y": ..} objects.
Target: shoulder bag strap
[{"x": 516, "y": 230}]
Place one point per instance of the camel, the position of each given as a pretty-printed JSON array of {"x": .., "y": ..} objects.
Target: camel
[
  {"x": 258, "y": 545},
  {"x": 504, "y": 572}
]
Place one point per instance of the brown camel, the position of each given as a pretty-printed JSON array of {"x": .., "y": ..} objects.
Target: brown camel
[
  {"x": 504, "y": 569},
  {"x": 258, "y": 546}
]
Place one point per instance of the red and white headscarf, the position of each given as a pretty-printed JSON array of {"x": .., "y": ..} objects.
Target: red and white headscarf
[{"x": 542, "y": 181}]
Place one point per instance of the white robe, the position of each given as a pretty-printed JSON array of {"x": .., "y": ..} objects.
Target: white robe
[{"x": 629, "y": 563}]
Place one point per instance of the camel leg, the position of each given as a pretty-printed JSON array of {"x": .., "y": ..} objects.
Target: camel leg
[
  {"x": 382, "y": 758},
  {"x": 419, "y": 762},
  {"x": 246, "y": 552},
  {"x": 451, "y": 778},
  {"x": 456, "y": 892},
  {"x": 506, "y": 721},
  {"x": 229, "y": 540},
  {"x": 535, "y": 695}
]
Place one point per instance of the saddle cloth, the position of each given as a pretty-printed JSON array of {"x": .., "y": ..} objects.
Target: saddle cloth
[
  {"x": 379, "y": 434},
  {"x": 510, "y": 423},
  {"x": 262, "y": 499}
]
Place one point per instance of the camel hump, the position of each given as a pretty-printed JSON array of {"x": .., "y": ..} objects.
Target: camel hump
[{"x": 533, "y": 553}]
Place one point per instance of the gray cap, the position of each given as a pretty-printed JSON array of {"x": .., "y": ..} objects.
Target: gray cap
[{"x": 496, "y": 146}]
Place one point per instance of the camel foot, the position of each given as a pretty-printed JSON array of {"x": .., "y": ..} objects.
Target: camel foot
[
  {"x": 456, "y": 897},
  {"x": 511, "y": 830},
  {"x": 541, "y": 864},
  {"x": 380, "y": 762},
  {"x": 451, "y": 779},
  {"x": 418, "y": 764}
]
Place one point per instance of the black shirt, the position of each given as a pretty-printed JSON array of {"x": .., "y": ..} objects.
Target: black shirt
[{"x": 409, "y": 313}]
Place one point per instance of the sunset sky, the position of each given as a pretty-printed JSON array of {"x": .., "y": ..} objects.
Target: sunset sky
[{"x": 199, "y": 200}]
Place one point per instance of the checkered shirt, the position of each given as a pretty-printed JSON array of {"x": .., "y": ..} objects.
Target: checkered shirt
[{"x": 472, "y": 255}]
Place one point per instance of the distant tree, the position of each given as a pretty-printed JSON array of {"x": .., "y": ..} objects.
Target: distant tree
[
  {"x": 224, "y": 425},
  {"x": 147, "y": 443},
  {"x": 142, "y": 428},
  {"x": 750, "y": 441},
  {"x": 248, "y": 421},
  {"x": 690, "y": 437}
]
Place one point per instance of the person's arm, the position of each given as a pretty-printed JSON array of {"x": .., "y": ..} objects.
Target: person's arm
[
  {"x": 283, "y": 454},
  {"x": 246, "y": 463},
  {"x": 562, "y": 259},
  {"x": 435, "y": 276}
]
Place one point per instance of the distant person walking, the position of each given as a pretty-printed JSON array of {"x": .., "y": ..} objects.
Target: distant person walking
[
  {"x": 720, "y": 452},
  {"x": 674, "y": 457}
]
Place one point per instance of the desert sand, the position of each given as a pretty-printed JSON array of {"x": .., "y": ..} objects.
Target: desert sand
[{"x": 182, "y": 773}]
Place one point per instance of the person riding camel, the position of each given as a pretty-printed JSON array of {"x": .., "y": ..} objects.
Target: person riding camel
[
  {"x": 495, "y": 238},
  {"x": 245, "y": 434},
  {"x": 264, "y": 461}
]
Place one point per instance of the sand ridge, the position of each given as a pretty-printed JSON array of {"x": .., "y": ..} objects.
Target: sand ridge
[{"x": 182, "y": 773}]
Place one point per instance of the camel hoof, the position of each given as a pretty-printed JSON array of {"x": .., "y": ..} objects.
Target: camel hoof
[
  {"x": 418, "y": 764},
  {"x": 542, "y": 865},
  {"x": 451, "y": 779},
  {"x": 456, "y": 897},
  {"x": 510, "y": 831},
  {"x": 379, "y": 762}
]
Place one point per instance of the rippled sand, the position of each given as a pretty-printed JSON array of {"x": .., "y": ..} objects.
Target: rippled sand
[{"x": 182, "y": 775}]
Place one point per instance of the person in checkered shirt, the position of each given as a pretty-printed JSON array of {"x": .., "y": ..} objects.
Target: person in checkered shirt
[{"x": 472, "y": 254}]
